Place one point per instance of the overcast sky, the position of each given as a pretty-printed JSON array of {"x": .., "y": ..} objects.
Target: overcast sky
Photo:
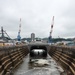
[{"x": 37, "y": 16}]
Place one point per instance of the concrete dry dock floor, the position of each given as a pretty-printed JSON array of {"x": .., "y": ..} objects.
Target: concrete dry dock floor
[{"x": 39, "y": 67}]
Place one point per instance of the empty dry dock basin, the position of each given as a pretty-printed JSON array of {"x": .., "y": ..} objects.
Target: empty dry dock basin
[{"x": 16, "y": 60}]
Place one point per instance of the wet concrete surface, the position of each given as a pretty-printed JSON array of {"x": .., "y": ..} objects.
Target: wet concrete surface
[{"x": 39, "y": 67}]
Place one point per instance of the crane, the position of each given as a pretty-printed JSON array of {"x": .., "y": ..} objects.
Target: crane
[
  {"x": 19, "y": 37},
  {"x": 4, "y": 35},
  {"x": 50, "y": 36}
]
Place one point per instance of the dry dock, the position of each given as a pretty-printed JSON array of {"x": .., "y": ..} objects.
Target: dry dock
[{"x": 49, "y": 67}]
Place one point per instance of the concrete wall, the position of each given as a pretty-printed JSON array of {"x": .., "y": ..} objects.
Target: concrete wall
[
  {"x": 11, "y": 57},
  {"x": 65, "y": 56}
]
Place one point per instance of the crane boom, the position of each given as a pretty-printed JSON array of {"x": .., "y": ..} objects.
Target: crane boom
[
  {"x": 20, "y": 26},
  {"x": 19, "y": 37},
  {"x": 50, "y": 36}
]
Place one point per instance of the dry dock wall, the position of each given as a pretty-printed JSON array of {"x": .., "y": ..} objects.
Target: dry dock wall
[
  {"x": 65, "y": 56},
  {"x": 11, "y": 57}
]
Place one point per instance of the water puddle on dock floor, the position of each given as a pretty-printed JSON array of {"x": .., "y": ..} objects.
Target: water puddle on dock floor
[{"x": 39, "y": 67}]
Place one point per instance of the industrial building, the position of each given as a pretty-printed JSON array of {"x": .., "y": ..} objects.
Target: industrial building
[{"x": 32, "y": 37}]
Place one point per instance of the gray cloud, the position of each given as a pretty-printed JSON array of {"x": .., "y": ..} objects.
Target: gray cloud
[{"x": 37, "y": 16}]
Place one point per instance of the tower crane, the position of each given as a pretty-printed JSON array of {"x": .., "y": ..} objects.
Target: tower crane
[
  {"x": 19, "y": 37},
  {"x": 50, "y": 36}
]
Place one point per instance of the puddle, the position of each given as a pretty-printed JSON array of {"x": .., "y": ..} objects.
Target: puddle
[
  {"x": 40, "y": 62},
  {"x": 40, "y": 67}
]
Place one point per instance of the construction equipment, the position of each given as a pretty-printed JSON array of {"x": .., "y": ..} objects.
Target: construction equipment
[
  {"x": 50, "y": 36},
  {"x": 4, "y": 36},
  {"x": 19, "y": 37}
]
